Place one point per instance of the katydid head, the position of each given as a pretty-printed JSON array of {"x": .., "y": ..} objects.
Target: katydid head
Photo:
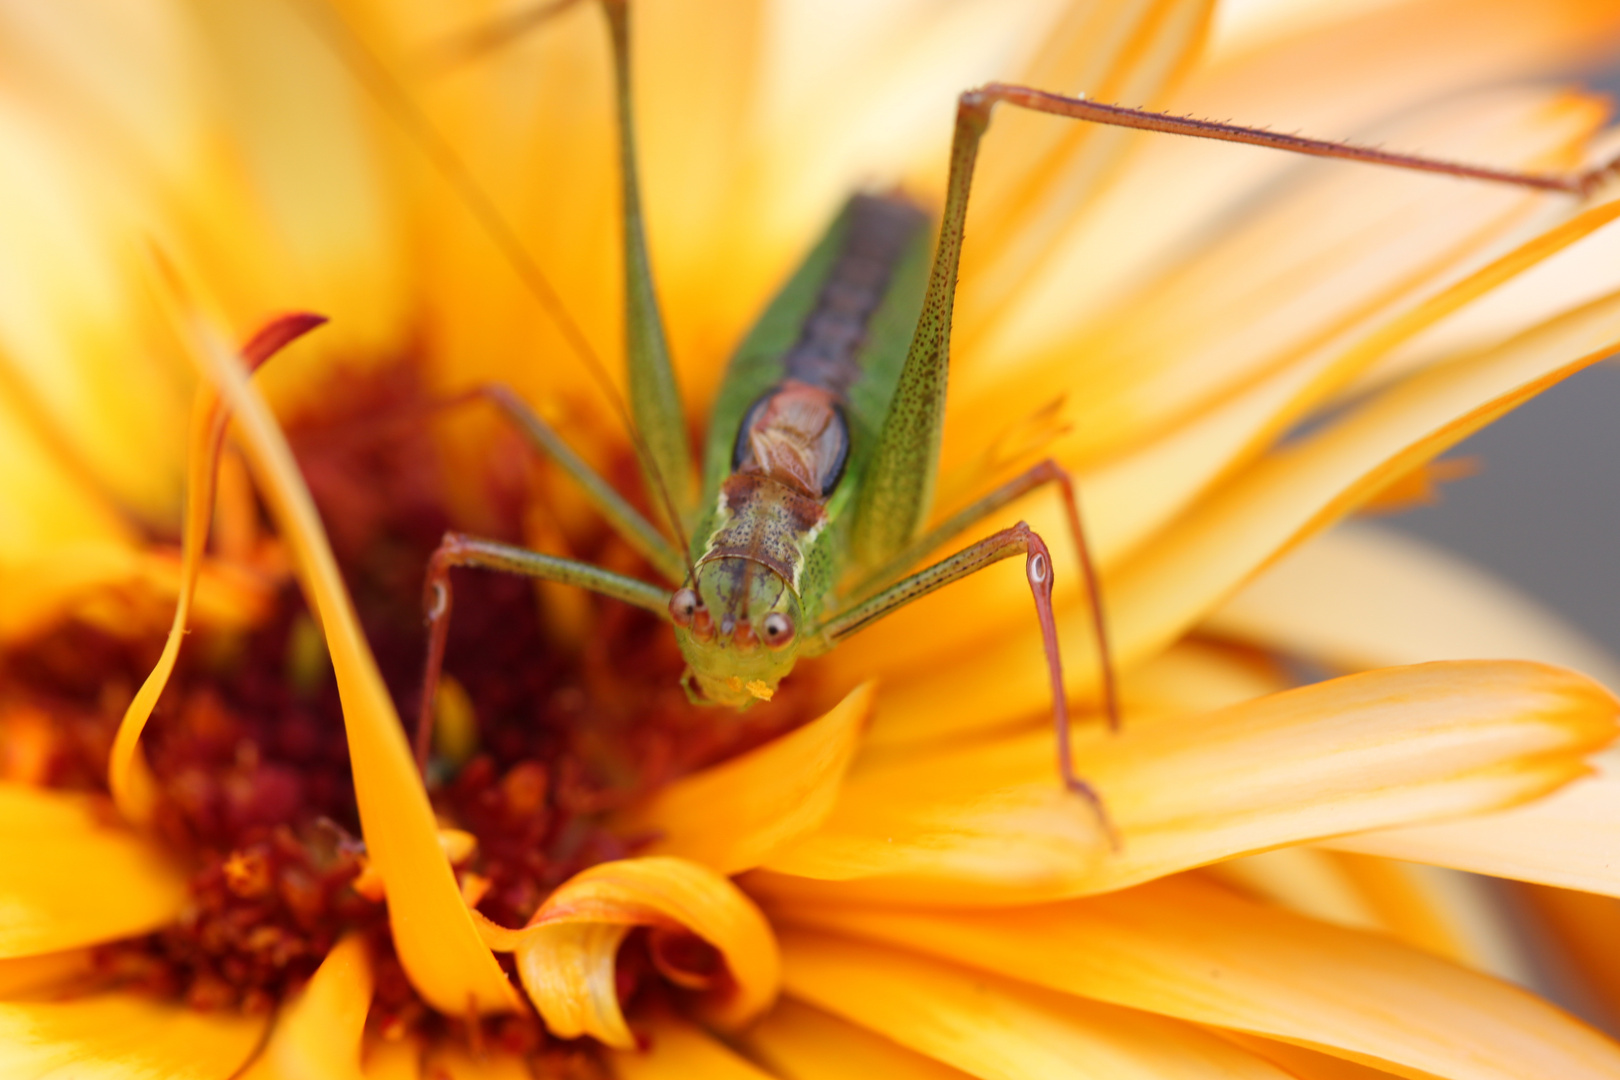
[{"x": 738, "y": 629}]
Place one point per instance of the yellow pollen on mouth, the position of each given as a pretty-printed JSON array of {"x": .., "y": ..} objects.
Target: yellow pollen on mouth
[{"x": 760, "y": 690}]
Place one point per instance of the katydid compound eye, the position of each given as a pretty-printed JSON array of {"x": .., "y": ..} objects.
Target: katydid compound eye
[
  {"x": 682, "y": 606},
  {"x": 776, "y": 629}
]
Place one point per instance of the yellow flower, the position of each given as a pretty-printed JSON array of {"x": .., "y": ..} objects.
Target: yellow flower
[{"x": 898, "y": 885}]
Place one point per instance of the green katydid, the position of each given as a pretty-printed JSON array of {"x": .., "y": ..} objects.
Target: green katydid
[{"x": 819, "y": 464}]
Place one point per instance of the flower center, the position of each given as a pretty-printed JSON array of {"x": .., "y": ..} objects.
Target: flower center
[{"x": 563, "y": 708}]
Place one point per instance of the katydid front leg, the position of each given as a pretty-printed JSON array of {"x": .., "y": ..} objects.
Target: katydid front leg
[
  {"x": 458, "y": 549},
  {"x": 625, "y": 520},
  {"x": 1038, "y": 570},
  {"x": 1047, "y": 472}
]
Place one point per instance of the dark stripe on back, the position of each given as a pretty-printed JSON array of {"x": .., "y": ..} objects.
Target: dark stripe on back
[{"x": 833, "y": 333}]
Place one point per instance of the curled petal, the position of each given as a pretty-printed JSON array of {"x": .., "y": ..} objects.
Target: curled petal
[
  {"x": 131, "y": 787},
  {"x": 437, "y": 941},
  {"x": 733, "y": 816},
  {"x": 70, "y": 878},
  {"x": 1397, "y": 745},
  {"x": 567, "y": 964},
  {"x": 318, "y": 1033},
  {"x": 568, "y": 971}
]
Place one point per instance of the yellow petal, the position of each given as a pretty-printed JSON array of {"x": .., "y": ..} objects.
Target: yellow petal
[
  {"x": 733, "y": 816},
  {"x": 454, "y": 1063},
  {"x": 1172, "y": 189},
  {"x": 1258, "y": 969},
  {"x": 317, "y": 1034},
  {"x": 1450, "y": 914},
  {"x": 437, "y": 941},
  {"x": 399, "y": 1059},
  {"x": 1285, "y": 497},
  {"x": 122, "y": 1037},
  {"x": 567, "y": 966},
  {"x": 1307, "y": 1064},
  {"x": 991, "y": 823},
  {"x": 798, "y": 1042},
  {"x": 71, "y": 878},
  {"x": 1038, "y": 172},
  {"x": 678, "y": 1051},
  {"x": 998, "y": 1028},
  {"x": 1567, "y": 839},
  {"x": 1361, "y": 596},
  {"x": 1336, "y": 250}
]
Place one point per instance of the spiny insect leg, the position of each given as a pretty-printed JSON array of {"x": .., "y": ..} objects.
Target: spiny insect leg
[
  {"x": 458, "y": 549},
  {"x": 1038, "y": 571},
  {"x": 1581, "y": 183},
  {"x": 1046, "y": 472}
]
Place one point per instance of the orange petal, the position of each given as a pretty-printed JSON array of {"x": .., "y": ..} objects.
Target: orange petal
[
  {"x": 991, "y": 824},
  {"x": 45, "y": 974},
  {"x": 567, "y": 963},
  {"x": 678, "y": 1051},
  {"x": 993, "y": 1027},
  {"x": 804, "y": 1043},
  {"x": 318, "y": 1033},
  {"x": 437, "y": 941},
  {"x": 1450, "y": 914},
  {"x": 1567, "y": 839},
  {"x": 1196, "y": 952},
  {"x": 70, "y": 878},
  {"x": 1259, "y": 514},
  {"x": 399, "y": 1059},
  {"x": 454, "y": 1063},
  {"x": 118, "y": 1036},
  {"x": 1307, "y": 1064},
  {"x": 1362, "y": 596},
  {"x": 733, "y": 816}
]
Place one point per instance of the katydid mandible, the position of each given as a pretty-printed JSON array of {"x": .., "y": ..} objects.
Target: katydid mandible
[{"x": 821, "y": 454}]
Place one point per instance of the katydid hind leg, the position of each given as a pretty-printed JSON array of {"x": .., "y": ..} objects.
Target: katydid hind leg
[
  {"x": 460, "y": 550},
  {"x": 655, "y": 399},
  {"x": 1020, "y": 539}
]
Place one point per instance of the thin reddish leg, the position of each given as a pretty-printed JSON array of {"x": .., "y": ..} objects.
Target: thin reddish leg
[
  {"x": 436, "y": 604},
  {"x": 1044, "y": 472},
  {"x": 1038, "y": 570},
  {"x": 457, "y": 549},
  {"x": 970, "y": 560},
  {"x": 1579, "y": 183},
  {"x": 1088, "y": 571}
]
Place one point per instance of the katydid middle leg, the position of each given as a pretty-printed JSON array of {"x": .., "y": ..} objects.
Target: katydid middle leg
[
  {"x": 458, "y": 549},
  {"x": 1038, "y": 571}
]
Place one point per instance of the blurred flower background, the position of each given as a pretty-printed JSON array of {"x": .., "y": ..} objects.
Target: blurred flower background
[{"x": 1231, "y": 347}]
